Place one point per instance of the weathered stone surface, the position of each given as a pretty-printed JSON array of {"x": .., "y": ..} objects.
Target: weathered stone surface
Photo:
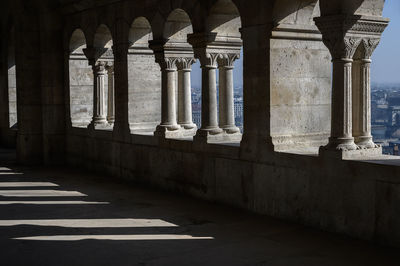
[{"x": 64, "y": 52}]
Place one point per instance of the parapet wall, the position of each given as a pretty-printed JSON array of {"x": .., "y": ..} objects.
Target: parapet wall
[{"x": 357, "y": 198}]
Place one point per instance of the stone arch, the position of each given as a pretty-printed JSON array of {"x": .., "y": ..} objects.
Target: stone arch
[
  {"x": 103, "y": 37},
  {"x": 144, "y": 79},
  {"x": 77, "y": 42},
  {"x": 177, "y": 26},
  {"x": 352, "y": 7},
  {"x": 224, "y": 19},
  {"x": 140, "y": 33},
  {"x": 298, "y": 12},
  {"x": 80, "y": 81}
]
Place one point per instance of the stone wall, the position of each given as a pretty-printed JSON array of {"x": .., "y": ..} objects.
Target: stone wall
[
  {"x": 81, "y": 92},
  {"x": 144, "y": 92},
  {"x": 300, "y": 91},
  {"x": 357, "y": 198},
  {"x": 287, "y": 100}
]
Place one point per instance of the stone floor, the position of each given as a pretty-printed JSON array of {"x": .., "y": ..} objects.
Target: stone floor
[{"x": 66, "y": 217}]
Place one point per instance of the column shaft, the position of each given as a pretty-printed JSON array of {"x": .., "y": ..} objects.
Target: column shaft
[
  {"x": 111, "y": 95},
  {"x": 226, "y": 100},
  {"x": 362, "y": 103},
  {"x": 209, "y": 116},
  {"x": 99, "y": 72},
  {"x": 341, "y": 122},
  {"x": 168, "y": 101},
  {"x": 185, "y": 99}
]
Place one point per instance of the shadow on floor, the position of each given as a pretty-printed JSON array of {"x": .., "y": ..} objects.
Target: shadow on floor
[{"x": 65, "y": 217}]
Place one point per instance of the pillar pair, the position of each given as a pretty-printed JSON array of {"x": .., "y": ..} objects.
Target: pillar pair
[
  {"x": 351, "y": 49},
  {"x": 176, "y": 112},
  {"x": 100, "y": 70},
  {"x": 209, "y": 114}
]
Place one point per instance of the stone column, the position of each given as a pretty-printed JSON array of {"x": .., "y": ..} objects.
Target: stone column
[
  {"x": 168, "y": 97},
  {"x": 209, "y": 114},
  {"x": 342, "y": 48},
  {"x": 362, "y": 94},
  {"x": 256, "y": 141},
  {"x": 111, "y": 104},
  {"x": 343, "y": 36},
  {"x": 341, "y": 119},
  {"x": 99, "y": 72},
  {"x": 185, "y": 118},
  {"x": 226, "y": 97},
  {"x": 121, "y": 129}
]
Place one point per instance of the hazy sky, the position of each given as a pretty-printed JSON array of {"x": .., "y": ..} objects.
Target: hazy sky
[{"x": 385, "y": 60}]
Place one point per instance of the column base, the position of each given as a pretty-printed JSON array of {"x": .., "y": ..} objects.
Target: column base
[
  {"x": 340, "y": 144},
  {"x": 179, "y": 133},
  {"x": 110, "y": 120},
  {"x": 188, "y": 125},
  {"x": 365, "y": 142},
  {"x": 256, "y": 147},
  {"x": 230, "y": 129},
  {"x": 100, "y": 124},
  {"x": 216, "y": 136},
  {"x": 351, "y": 154},
  {"x": 167, "y": 131}
]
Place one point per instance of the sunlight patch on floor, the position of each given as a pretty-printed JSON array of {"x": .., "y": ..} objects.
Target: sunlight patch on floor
[
  {"x": 27, "y": 184},
  {"x": 10, "y": 173},
  {"x": 91, "y": 223},
  {"x": 40, "y": 193},
  {"x": 112, "y": 237},
  {"x": 61, "y": 202}
]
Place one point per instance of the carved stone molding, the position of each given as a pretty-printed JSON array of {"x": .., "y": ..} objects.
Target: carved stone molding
[
  {"x": 168, "y": 55},
  {"x": 213, "y": 51},
  {"x": 342, "y": 33},
  {"x": 352, "y": 24}
]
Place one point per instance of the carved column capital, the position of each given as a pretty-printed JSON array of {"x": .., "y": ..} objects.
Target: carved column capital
[
  {"x": 227, "y": 59},
  {"x": 109, "y": 67},
  {"x": 341, "y": 47},
  {"x": 185, "y": 63},
  {"x": 342, "y": 34},
  {"x": 208, "y": 59},
  {"x": 168, "y": 63},
  {"x": 369, "y": 45},
  {"x": 100, "y": 68}
]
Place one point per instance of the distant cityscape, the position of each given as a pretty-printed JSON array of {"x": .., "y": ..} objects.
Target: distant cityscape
[
  {"x": 385, "y": 116},
  {"x": 238, "y": 106}
]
